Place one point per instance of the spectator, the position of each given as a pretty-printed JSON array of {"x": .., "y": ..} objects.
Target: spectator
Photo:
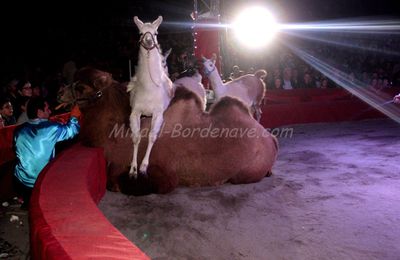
[
  {"x": 23, "y": 117},
  {"x": 7, "y": 112},
  {"x": 12, "y": 92},
  {"x": 236, "y": 72},
  {"x": 24, "y": 89},
  {"x": 324, "y": 83},
  {"x": 307, "y": 81},
  {"x": 287, "y": 78},
  {"x": 35, "y": 143},
  {"x": 277, "y": 83}
]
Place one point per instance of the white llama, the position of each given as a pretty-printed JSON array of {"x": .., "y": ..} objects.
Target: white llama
[
  {"x": 250, "y": 89},
  {"x": 150, "y": 91}
]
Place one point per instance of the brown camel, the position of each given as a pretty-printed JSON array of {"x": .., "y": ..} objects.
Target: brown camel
[{"x": 195, "y": 148}]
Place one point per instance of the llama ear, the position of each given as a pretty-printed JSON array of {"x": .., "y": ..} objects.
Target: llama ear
[
  {"x": 167, "y": 53},
  {"x": 138, "y": 23},
  {"x": 203, "y": 58},
  {"x": 157, "y": 22},
  {"x": 214, "y": 57}
]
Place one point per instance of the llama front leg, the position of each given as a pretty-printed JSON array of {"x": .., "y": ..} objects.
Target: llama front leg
[
  {"x": 135, "y": 128},
  {"x": 156, "y": 123},
  {"x": 258, "y": 112}
]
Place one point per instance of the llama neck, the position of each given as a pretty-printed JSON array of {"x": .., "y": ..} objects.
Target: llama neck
[
  {"x": 149, "y": 60},
  {"x": 216, "y": 83}
]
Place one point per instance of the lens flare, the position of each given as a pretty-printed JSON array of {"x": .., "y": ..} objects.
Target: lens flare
[
  {"x": 381, "y": 102},
  {"x": 255, "y": 27}
]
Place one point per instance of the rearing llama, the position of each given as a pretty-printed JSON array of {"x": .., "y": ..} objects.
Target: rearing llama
[
  {"x": 150, "y": 91},
  {"x": 250, "y": 89}
]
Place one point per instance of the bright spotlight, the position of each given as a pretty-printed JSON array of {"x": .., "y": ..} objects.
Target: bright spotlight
[{"x": 255, "y": 27}]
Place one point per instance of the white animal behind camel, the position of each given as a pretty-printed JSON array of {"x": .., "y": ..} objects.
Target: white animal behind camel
[
  {"x": 192, "y": 83},
  {"x": 250, "y": 89},
  {"x": 150, "y": 90}
]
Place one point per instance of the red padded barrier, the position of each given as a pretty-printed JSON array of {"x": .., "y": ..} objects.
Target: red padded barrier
[
  {"x": 276, "y": 115},
  {"x": 65, "y": 222}
]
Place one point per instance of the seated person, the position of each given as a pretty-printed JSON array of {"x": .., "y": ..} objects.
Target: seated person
[
  {"x": 35, "y": 143},
  {"x": 23, "y": 117},
  {"x": 7, "y": 112}
]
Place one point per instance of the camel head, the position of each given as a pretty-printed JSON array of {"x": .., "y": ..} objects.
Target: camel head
[{"x": 88, "y": 86}]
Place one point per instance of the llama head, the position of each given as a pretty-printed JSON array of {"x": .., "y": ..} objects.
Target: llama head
[
  {"x": 148, "y": 32},
  {"x": 209, "y": 65},
  {"x": 164, "y": 61}
]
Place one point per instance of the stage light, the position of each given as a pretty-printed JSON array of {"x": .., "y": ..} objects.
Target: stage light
[{"x": 255, "y": 27}]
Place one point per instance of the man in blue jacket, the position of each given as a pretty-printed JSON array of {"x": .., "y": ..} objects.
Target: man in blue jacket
[{"x": 35, "y": 143}]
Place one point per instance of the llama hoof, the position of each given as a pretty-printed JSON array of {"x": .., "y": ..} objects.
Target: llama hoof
[
  {"x": 133, "y": 173},
  {"x": 143, "y": 168},
  {"x": 143, "y": 175}
]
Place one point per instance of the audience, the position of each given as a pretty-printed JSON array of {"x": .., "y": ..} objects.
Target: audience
[{"x": 7, "y": 112}]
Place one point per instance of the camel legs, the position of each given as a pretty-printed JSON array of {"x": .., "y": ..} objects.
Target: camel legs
[
  {"x": 156, "y": 123},
  {"x": 135, "y": 128}
]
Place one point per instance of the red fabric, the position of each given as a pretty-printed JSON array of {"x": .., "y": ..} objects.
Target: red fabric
[
  {"x": 207, "y": 43},
  {"x": 6, "y": 143},
  {"x": 276, "y": 115},
  {"x": 65, "y": 221},
  {"x": 301, "y": 106}
]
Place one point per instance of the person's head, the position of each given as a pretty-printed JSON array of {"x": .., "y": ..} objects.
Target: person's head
[
  {"x": 12, "y": 86},
  {"x": 278, "y": 83},
  {"x": 24, "y": 88},
  {"x": 6, "y": 108},
  {"x": 38, "y": 107},
  {"x": 324, "y": 83},
  {"x": 307, "y": 78},
  {"x": 36, "y": 91},
  {"x": 287, "y": 73}
]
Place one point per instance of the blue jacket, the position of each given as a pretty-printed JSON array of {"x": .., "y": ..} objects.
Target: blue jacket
[{"x": 35, "y": 143}]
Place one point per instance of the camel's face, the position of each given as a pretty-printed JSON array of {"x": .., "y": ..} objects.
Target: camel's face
[
  {"x": 86, "y": 89},
  {"x": 77, "y": 92},
  {"x": 65, "y": 95}
]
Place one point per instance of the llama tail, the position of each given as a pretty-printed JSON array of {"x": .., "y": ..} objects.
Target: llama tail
[{"x": 261, "y": 74}]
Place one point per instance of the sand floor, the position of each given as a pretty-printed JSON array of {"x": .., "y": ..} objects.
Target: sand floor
[{"x": 335, "y": 194}]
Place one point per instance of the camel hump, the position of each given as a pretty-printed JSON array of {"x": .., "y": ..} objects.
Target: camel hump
[{"x": 260, "y": 74}]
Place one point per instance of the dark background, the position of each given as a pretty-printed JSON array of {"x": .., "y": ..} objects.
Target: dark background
[{"x": 45, "y": 34}]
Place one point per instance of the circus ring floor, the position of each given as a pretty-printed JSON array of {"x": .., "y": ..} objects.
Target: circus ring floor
[{"x": 334, "y": 195}]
